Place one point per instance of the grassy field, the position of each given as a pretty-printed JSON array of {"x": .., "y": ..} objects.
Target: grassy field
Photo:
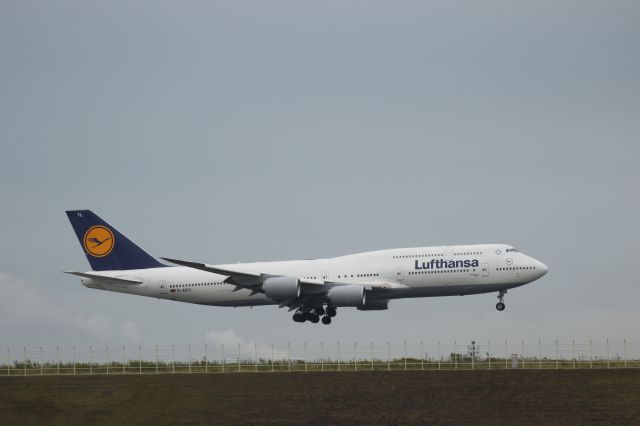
[{"x": 437, "y": 397}]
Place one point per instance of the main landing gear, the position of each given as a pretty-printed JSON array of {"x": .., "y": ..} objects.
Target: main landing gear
[
  {"x": 500, "y": 305},
  {"x": 313, "y": 315}
]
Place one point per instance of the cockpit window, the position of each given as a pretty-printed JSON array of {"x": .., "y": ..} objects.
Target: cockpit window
[{"x": 510, "y": 250}]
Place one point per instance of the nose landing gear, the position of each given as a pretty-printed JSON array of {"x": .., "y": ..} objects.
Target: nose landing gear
[{"x": 500, "y": 305}]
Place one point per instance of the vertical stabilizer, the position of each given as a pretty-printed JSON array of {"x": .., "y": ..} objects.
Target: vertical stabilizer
[{"x": 105, "y": 247}]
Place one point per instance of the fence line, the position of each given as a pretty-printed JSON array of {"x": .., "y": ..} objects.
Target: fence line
[{"x": 355, "y": 356}]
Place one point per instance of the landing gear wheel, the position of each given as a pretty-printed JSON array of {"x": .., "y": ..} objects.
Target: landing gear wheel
[
  {"x": 500, "y": 305},
  {"x": 318, "y": 310},
  {"x": 331, "y": 311},
  {"x": 313, "y": 318},
  {"x": 298, "y": 317},
  {"x": 326, "y": 320}
]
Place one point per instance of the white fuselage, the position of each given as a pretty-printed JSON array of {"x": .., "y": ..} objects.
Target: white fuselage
[{"x": 396, "y": 273}]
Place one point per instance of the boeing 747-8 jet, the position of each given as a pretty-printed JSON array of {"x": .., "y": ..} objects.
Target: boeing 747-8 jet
[{"x": 314, "y": 289}]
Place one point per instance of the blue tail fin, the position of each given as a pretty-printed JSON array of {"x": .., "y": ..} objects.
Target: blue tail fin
[{"x": 105, "y": 247}]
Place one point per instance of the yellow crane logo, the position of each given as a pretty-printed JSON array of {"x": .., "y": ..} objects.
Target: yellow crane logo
[{"x": 98, "y": 241}]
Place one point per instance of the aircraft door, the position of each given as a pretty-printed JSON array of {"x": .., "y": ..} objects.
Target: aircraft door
[
  {"x": 485, "y": 269},
  {"x": 400, "y": 274},
  {"x": 448, "y": 252},
  {"x": 163, "y": 287}
]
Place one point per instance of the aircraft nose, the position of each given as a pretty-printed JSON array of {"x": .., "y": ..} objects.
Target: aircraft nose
[{"x": 541, "y": 268}]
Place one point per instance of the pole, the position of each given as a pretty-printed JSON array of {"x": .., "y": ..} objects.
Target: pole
[
  {"x": 557, "y": 357},
  {"x": 455, "y": 354},
  {"x": 590, "y": 354},
  {"x": 608, "y": 356},
  {"x": 90, "y": 360},
  {"x": 272, "y": 361},
  {"x": 506, "y": 355},
  {"x": 24, "y": 360},
  {"x": 573, "y": 352},
  {"x": 206, "y": 358},
  {"x": 305, "y": 356},
  {"x": 355, "y": 351},
  {"x": 289, "y": 352},
  {"x": 523, "y": 354},
  {"x": 321, "y": 356},
  {"x": 124, "y": 361},
  {"x": 140, "y": 359},
  {"x": 8, "y": 361},
  {"x": 58, "y": 360},
  {"x": 439, "y": 355},
  {"x": 173, "y": 358},
  {"x": 405, "y": 355},
  {"x": 489, "y": 352},
  {"x": 388, "y": 355},
  {"x": 238, "y": 357},
  {"x": 74, "y": 360},
  {"x": 539, "y": 355},
  {"x": 189, "y": 357},
  {"x": 473, "y": 355},
  {"x": 624, "y": 352},
  {"x": 339, "y": 356},
  {"x": 107, "y": 359},
  {"x": 255, "y": 351},
  {"x": 223, "y": 358},
  {"x": 422, "y": 355},
  {"x": 156, "y": 359},
  {"x": 371, "y": 356},
  {"x": 41, "y": 361}
]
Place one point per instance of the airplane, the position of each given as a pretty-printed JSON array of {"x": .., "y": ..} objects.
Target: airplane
[{"x": 313, "y": 289}]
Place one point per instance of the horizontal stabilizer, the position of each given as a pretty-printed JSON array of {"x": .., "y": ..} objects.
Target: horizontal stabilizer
[{"x": 104, "y": 279}]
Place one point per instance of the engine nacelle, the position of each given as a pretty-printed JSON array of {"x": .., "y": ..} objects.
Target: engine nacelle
[
  {"x": 281, "y": 288},
  {"x": 375, "y": 305},
  {"x": 347, "y": 295}
]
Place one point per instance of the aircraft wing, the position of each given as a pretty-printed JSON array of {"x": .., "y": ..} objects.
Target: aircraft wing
[
  {"x": 215, "y": 269},
  {"x": 384, "y": 286},
  {"x": 313, "y": 290},
  {"x": 240, "y": 278},
  {"x": 105, "y": 279}
]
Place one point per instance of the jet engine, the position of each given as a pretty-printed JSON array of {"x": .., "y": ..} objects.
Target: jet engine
[
  {"x": 281, "y": 288},
  {"x": 347, "y": 295},
  {"x": 375, "y": 305}
]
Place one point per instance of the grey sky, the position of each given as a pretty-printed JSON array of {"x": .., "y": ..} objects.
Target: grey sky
[{"x": 246, "y": 131}]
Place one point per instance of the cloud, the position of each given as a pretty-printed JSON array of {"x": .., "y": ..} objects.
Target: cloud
[
  {"x": 224, "y": 337},
  {"x": 25, "y": 305},
  {"x": 95, "y": 325},
  {"x": 27, "y": 310},
  {"x": 233, "y": 342},
  {"x": 21, "y": 295},
  {"x": 130, "y": 331}
]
